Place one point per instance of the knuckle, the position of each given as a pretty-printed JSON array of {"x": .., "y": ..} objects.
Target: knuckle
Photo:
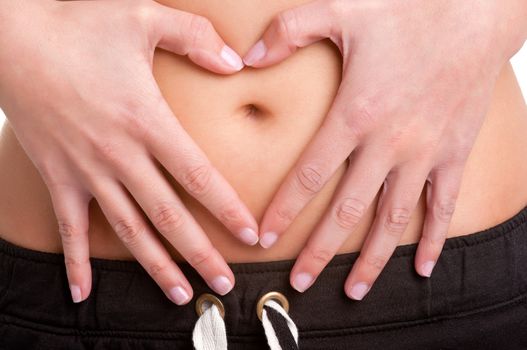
[
  {"x": 364, "y": 114},
  {"x": 130, "y": 110},
  {"x": 396, "y": 221},
  {"x": 286, "y": 215},
  {"x": 353, "y": 132},
  {"x": 128, "y": 231},
  {"x": 230, "y": 213},
  {"x": 199, "y": 27},
  {"x": 443, "y": 210},
  {"x": 141, "y": 13},
  {"x": 134, "y": 113},
  {"x": 366, "y": 109},
  {"x": 67, "y": 231},
  {"x": 108, "y": 151},
  {"x": 397, "y": 138},
  {"x": 155, "y": 270},
  {"x": 375, "y": 262},
  {"x": 319, "y": 255},
  {"x": 168, "y": 218},
  {"x": 349, "y": 212},
  {"x": 73, "y": 262},
  {"x": 137, "y": 128},
  {"x": 131, "y": 117},
  {"x": 288, "y": 27},
  {"x": 309, "y": 179},
  {"x": 200, "y": 257},
  {"x": 196, "y": 179}
]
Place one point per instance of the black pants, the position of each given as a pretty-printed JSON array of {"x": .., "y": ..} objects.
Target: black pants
[{"x": 475, "y": 299}]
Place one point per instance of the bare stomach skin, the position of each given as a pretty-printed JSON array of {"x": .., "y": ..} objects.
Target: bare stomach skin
[{"x": 253, "y": 125}]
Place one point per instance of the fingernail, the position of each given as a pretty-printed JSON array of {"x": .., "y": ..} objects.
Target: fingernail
[
  {"x": 256, "y": 53},
  {"x": 179, "y": 295},
  {"x": 231, "y": 57},
  {"x": 268, "y": 239},
  {"x": 427, "y": 268},
  {"x": 358, "y": 291},
  {"x": 249, "y": 236},
  {"x": 302, "y": 281},
  {"x": 75, "y": 293},
  {"x": 221, "y": 285}
]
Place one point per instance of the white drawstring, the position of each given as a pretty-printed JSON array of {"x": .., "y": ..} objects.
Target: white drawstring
[
  {"x": 210, "y": 333},
  {"x": 279, "y": 327}
]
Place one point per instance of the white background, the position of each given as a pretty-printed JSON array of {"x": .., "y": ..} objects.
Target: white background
[{"x": 519, "y": 62}]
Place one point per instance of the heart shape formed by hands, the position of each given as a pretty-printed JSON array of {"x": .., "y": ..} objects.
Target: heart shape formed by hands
[{"x": 255, "y": 123}]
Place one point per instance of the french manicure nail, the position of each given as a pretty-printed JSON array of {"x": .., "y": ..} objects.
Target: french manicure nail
[
  {"x": 302, "y": 281},
  {"x": 249, "y": 236},
  {"x": 231, "y": 57},
  {"x": 179, "y": 295},
  {"x": 75, "y": 293},
  {"x": 257, "y": 52},
  {"x": 358, "y": 291},
  {"x": 268, "y": 239},
  {"x": 427, "y": 268},
  {"x": 221, "y": 285}
]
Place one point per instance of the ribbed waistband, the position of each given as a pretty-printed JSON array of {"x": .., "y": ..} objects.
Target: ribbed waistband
[{"x": 475, "y": 272}]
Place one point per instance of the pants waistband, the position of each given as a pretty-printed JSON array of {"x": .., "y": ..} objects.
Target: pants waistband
[{"x": 478, "y": 271}]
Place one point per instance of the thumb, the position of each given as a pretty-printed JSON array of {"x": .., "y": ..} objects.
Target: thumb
[
  {"x": 291, "y": 29},
  {"x": 187, "y": 34}
]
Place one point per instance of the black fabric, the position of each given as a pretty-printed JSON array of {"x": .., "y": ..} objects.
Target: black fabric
[
  {"x": 283, "y": 334},
  {"x": 475, "y": 299}
]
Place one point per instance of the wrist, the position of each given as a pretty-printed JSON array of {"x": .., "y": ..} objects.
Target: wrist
[
  {"x": 512, "y": 28},
  {"x": 22, "y": 24},
  {"x": 14, "y": 11}
]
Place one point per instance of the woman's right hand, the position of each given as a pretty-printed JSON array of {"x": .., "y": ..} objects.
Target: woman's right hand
[{"x": 77, "y": 87}]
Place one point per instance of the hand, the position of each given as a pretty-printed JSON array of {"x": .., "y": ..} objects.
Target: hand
[
  {"x": 76, "y": 84},
  {"x": 417, "y": 77}
]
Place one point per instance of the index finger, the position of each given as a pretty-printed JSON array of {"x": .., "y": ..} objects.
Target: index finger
[
  {"x": 291, "y": 29},
  {"x": 188, "y": 164},
  {"x": 329, "y": 148}
]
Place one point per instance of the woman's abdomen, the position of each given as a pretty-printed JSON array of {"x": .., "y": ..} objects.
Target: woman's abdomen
[{"x": 253, "y": 126}]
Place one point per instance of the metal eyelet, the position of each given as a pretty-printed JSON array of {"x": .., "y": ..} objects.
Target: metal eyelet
[
  {"x": 209, "y": 298},
  {"x": 276, "y": 296}
]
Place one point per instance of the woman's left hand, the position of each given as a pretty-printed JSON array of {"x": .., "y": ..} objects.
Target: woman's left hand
[{"x": 417, "y": 78}]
